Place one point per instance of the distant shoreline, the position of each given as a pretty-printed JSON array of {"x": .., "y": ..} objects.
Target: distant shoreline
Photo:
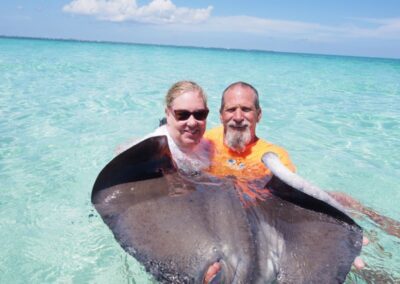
[{"x": 197, "y": 47}]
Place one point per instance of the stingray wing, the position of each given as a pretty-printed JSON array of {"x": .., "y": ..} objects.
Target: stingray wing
[
  {"x": 320, "y": 240},
  {"x": 176, "y": 227}
]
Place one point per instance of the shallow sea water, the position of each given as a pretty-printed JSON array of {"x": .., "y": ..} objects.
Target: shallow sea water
[{"x": 65, "y": 106}]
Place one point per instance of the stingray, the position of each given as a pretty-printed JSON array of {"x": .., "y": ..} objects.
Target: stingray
[{"x": 178, "y": 224}]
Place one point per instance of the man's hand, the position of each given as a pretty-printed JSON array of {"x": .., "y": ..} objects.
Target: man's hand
[
  {"x": 212, "y": 272},
  {"x": 358, "y": 261}
]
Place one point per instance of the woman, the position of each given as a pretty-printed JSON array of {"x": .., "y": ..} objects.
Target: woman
[{"x": 186, "y": 113}]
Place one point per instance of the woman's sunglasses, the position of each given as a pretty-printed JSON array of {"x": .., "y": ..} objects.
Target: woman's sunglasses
[{"x": 181, "y": 114}]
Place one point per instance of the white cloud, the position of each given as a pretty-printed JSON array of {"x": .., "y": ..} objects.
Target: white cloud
[
  {"x": 388, "y": 28},
  {"x": 177, "y": 18},
  {"x": 156, "y": 12},
  {"x": 265, "y": 26},
  {"x": 375, "y": 28}
]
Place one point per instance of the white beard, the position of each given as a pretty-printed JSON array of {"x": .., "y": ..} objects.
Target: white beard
[{"x": 237, "y": 140}]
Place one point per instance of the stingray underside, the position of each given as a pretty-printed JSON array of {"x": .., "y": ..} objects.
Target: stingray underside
[{"x": 178, "y": 225}]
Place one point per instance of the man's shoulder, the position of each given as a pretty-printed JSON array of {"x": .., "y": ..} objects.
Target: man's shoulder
[
  {"x": 266, "y": 146},
  {"x": 214, "y": 133}
]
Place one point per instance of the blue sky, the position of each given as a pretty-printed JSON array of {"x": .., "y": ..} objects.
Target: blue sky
[{"x": 344, "y": 27}]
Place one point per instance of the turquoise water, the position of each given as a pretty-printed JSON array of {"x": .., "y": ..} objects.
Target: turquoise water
[{"x": 65, "y": 106}]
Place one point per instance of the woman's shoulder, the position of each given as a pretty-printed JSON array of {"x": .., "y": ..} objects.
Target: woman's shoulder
[
  {"x": 133, "y": 141},
  {"x": 162, "y": 130},
  {"x": 204, "y": 145}
]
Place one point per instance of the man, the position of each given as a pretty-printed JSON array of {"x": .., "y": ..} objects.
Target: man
[{"x": 238, "y": 150}]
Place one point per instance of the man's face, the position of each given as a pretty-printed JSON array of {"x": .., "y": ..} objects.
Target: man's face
[{"x": 239, "y": 117}]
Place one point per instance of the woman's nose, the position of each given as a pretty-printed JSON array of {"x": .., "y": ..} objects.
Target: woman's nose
[{"x": 191, "y": 121}]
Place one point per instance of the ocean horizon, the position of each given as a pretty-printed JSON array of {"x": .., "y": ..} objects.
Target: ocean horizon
[{"x": 193, "y": 46}]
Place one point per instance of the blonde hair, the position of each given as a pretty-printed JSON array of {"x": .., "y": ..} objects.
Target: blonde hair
[{"x": 181, "y": 87}]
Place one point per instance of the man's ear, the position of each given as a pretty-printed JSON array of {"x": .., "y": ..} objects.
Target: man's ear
[{"x": 259, "y": 115}]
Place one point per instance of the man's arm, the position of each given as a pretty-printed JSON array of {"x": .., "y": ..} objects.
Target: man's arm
[{"x": 389, "y": 225}]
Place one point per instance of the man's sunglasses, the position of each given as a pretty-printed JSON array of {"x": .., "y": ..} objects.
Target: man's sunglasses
[{"x": 181, "y": 114}]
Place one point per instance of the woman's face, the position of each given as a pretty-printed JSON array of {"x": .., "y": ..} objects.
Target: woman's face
[{"x": 186, "y": 119}]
